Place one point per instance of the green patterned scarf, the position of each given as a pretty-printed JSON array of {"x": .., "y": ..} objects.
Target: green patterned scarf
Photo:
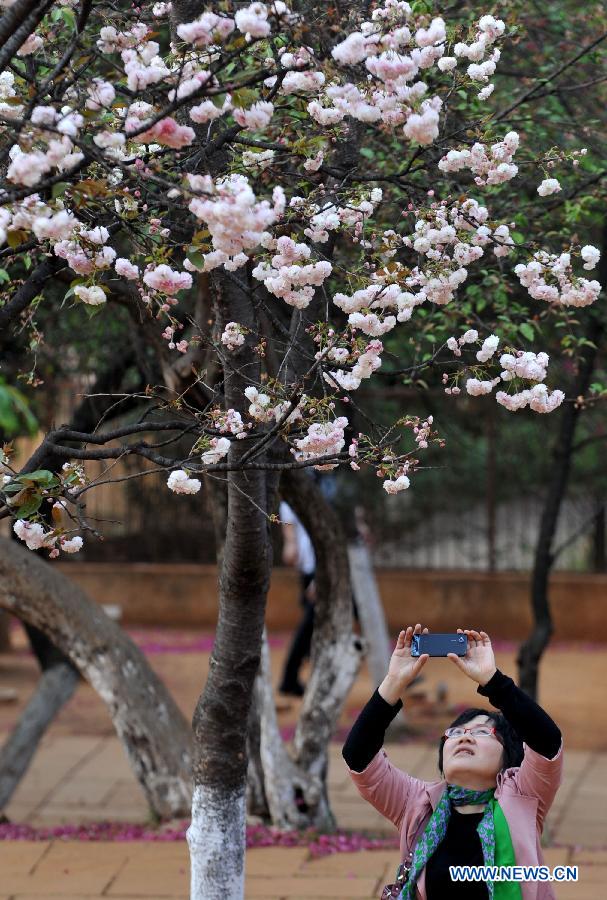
[{"x": 492, "y": 829}]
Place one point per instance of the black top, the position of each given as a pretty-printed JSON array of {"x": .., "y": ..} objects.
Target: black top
[{"x": 461, "y": 845}]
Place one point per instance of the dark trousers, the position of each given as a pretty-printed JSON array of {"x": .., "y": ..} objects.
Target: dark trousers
[{"x": 302, "y": 639}]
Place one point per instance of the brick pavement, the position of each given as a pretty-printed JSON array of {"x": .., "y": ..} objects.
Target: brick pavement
[
  {"x": 79, "y": 780},
  {"x": 47, "y": 871},
  {"x": 81, "y": 774}
]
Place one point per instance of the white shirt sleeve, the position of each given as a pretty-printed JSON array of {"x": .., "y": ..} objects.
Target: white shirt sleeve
[{"x": 287, "y": 516}]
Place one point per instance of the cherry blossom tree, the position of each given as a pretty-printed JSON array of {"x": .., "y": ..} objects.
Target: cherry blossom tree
[{"x": 147, "y": 150}]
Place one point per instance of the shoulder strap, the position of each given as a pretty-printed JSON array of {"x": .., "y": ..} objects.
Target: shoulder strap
[{"x": 418, "y": 833}]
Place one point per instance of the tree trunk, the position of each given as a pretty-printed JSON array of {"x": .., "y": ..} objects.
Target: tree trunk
[
  {"x": 216, "y": 836},
  {"x": 257, "y": 800},
  {"x": 263, "y": 699},
  {"x": 5, "y": 632},
  {"x": 599, "y": 559},
  {"x": 156, "y": 737},
  {"x": 295, "y": 789},
  {"x": 54, "y": 689},
  {"x": 370, "y": 610},
  {"x": 531, "y": 651},
  {"x": 336, "y": 650},
  {"x": 295, "y": 798}
]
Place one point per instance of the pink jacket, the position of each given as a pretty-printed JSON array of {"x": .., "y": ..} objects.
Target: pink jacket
[{"x": 525, "y": 794}]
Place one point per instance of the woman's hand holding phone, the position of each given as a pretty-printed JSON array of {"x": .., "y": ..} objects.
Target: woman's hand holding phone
[
  {"x": 403, "y": 667},
  {"x": 479, "y": 661}
]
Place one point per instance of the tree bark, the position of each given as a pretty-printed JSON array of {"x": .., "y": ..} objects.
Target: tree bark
[
  {"x": 54, "y": 689},
  {"x": 531, "y": 651},
  {"x": 336, "y": 650},
  {"x": 294, "y": 796},
  {"x": 257, "y": 800},
  {"x": 5, "y": 633},
  {"x": 216, "y": 836},
  {"x": 370, "y": 610},
  {"x": 156, "y": 737}
]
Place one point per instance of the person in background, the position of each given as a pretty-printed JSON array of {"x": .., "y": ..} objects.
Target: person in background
[
  {"x": 298, "y": 551},
  {"x": 500, "y": 772}
]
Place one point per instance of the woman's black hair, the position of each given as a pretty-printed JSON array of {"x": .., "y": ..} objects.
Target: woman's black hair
[{"x": 511, "y": 742}]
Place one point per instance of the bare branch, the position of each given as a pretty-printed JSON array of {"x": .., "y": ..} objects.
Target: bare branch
[
  {"x": 18, "y": 37},
  {"x": 530, "y": 94}
]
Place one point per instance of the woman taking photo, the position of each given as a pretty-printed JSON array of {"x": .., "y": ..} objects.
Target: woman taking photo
[{"x": 500, "y": 772}]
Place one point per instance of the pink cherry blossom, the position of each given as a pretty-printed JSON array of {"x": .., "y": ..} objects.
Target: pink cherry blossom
[
  {"x": 28, "y": 168},
  {"x": 548, "y": 186},
  {"x": 322, "y": 439},
  {"x": 71, "y": 545},
  {"x": 127, "y": 269},
  {"x": 206, "y": 30},
  {"x": 180, "y": 483},
  {"x": 253, "y": 20},
  {"x": 101, "y": 94},
  {"x": 32, "y": 533},
  {"x": 92, "y": 296},
  {"x": 162, "y": 278},
  {"x": 235, "y": 218},
  {"x": 590, "y": 255},
  {"x": 232, "y": 336},
  {"x": 476, "y": 388},
  {"x": 257, "y": 116},
  {"x": 168, "y": 133},
  {"x": 57, "y": 227},
  {"x": 33, "y": 43},
  {"x": 219, "y": 448},
  {"x": 488, "y": 349},
  {"x": 397, "y": 485}
]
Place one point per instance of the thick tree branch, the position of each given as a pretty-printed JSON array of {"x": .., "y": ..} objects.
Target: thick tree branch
[
  {"x": 28, "y": 291},
  {"x": 21, "y": 34}
]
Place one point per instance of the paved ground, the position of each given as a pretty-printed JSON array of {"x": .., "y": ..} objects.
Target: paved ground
[
  {"x": 572, "y": 683},
  {"x": 80, "y": 775},
  {"x": 81, "y": 780},
  {"x": 160, "y": 872}
]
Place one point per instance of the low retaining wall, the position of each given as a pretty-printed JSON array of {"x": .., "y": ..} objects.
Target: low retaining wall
[{"x": 185, "y": 595}]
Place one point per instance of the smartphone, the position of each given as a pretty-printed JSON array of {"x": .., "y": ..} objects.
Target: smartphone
[{"x": 439, "y": 644}]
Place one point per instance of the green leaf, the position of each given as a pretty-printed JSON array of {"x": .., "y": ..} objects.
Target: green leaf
[
  {"x": 244, "y": 97},
  {"x": 4, "y": 276},
  {"x": 196, "y": 258},
  {"x": 60, "y": 188},
  {"x": 15, "y": 238},
  {"x": 29, "y": 507},
  {"x": 40, "y": 476},
  {"x": 13, "y": 487},
  {"x": 15, "y": 415},
  {"x": 68, "y": 16},
  {"x": 367, "y": 152},
  {"x": 527, "y": 331}
]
